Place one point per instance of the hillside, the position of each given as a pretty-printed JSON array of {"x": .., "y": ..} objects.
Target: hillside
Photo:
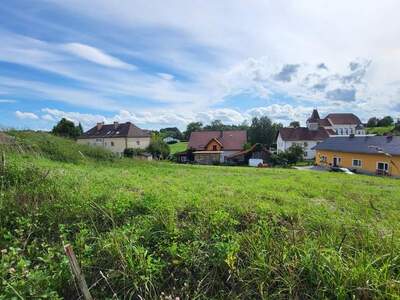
[
  {"x": 178, "y": 147},
  {"x": 158, "y": 229}
]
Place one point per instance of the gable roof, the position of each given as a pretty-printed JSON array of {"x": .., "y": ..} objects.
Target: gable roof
[
  {"x": 343, "y": 118},
  {"x": 115, "y": 131},
  {"x": 362, "y": 144},
  {"x": 230, "y": 139},
  {"x": 304, "y": 134}
]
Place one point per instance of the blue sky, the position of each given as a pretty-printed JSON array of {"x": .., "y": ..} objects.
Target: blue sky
[{"x": 161, "y": 64}]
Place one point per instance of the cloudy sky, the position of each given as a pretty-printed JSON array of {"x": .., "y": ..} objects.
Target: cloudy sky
[{"x": 162, "y": 63}]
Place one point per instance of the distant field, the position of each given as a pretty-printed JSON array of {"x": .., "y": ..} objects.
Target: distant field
[
  {"x": 159, "y": 229},
  {"x": 178, "y": 147},
  {"x": 380, "y": 130}
]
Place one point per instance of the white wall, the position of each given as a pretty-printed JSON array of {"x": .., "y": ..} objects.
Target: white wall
[
  {"x": 351, "y": 129},
  {"x": 117, "y": 145},
  {"x": 307, "y": 145}
]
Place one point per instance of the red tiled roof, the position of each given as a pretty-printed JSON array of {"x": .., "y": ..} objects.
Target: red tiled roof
[
  {"x": 324, "y": 122},
  {"x": 303, "y": 134},
  {"x": 118, "y": 130},
  {"x": 230, "y": 139},
  {"x": 343, "y": 118}
]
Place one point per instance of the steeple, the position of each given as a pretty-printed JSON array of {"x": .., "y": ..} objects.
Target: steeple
[
  {"x": 314, "y": 117},
  {"x": 313, "y": 121}
]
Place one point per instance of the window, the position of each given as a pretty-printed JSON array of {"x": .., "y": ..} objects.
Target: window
[
  {"x": 337, "y": 161},
  {"x": 137, "y": 142},
  {"x": 323, "y": 159},
  {"x": 382, "y": 166},
  {"x": 341, "y": 131},
  {"x": 305, "y": 144},
  {"x": 347, "y": 131},
  {"x": 112, "y": 144},
  {"x": 357, "y": 163},
  {"x": 305, "y": 154},
  {"x": 99, "y": 140},
  {"x": 214, "y": 147}
]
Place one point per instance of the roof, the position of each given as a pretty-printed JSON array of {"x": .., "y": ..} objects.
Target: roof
[
  {"x": 362, "y": 144},
  {"x": 324, "y": 123},
  {"x": 255, "y": 147},
  {"x": 304, "y": 134},
  {"x": 314, "y": 116},
  {"x": 230, "y": 139},
  {"x": 115, "y": 131},
  {"x": 343, "y": 118}
]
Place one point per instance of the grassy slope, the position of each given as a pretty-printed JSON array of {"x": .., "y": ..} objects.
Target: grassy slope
[
  {"x": 198, "y": 232},
  {"x": 178, "y": 147},
  {"x": 380, "y": 130}
]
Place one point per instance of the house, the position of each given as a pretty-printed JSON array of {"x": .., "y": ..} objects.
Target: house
[
  {"x": 116, "y": 137},
  {"x": 210, "y": 147},
  {"x": 257, "y": 151},
  {"x": 340, "y": 123},
  {"x": 170, "y": 139},
  {"x": 365, "y": 154},
  {"x": 318, "y": 130}
]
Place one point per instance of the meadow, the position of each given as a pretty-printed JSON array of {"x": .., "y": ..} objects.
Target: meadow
[
  {"x": 178, "y": 147},
  {"x": 158, "y": 230}
]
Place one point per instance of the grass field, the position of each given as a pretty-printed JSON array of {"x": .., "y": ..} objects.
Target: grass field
[
  {"x": 178, "y": 147},
  {"x": 157, "y": 229}
]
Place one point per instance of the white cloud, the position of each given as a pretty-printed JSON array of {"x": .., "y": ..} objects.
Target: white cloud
[
  {"x": 26, "y": 115},
  {"x": 97, "y": 56},
  {"x": 7, "y": 101}
]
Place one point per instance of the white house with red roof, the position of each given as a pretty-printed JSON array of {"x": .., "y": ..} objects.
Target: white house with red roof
[{"x": 318, "y": 130}]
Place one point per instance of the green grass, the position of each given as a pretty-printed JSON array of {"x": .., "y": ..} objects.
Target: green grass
[
  {"x": 178, "y": 147},
  {"x": 380, "y": 130},
  {"x": 159, "y": 229}
]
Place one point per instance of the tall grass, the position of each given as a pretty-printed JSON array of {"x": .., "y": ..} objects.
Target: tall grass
[
  {"x": 56, "y": 148},
  {"x": 159, "y": 230}
]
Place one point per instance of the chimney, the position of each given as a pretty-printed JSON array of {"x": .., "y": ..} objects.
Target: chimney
[
  {"x": 100, "y": 125},
  {"x": 116, "y": 125}
]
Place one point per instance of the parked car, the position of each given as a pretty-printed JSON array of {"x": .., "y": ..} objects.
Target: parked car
[{"x": 341, "y": 170}]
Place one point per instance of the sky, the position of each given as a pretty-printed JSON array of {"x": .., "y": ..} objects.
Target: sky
[{"x": 167, "y": 63}]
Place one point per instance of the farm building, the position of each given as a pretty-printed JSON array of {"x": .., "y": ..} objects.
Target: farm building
[
  {"x": 211, "y": 147},
  {"x": 378, "y": 155},
  {"x": 257, "y": 151}
]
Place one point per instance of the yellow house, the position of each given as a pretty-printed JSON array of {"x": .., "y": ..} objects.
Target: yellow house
[{"x": 378, "y": 155}]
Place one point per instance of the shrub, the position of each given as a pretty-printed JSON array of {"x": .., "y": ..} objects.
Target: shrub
[{"x": 132, "y": 152}]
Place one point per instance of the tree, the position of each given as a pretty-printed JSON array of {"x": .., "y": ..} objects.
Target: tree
[
  {"x": 172, "y": 132},
  {"x": 294, "y": 154},
  {"x": 194, "y": 126},
  {"x": 372, "y": 122},
  {"x": 295, "y": 124},
  {"x": 386, "y": 121},
  {"x": 67, "y": 128},
  {"x": 158, "y": 148},
  {"x": 263, "y": 131}
]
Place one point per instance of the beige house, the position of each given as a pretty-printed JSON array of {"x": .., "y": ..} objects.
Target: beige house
[{"x": 116, "y": 137}]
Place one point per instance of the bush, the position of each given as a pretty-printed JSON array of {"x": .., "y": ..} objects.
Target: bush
[
  {"x": 132, "y": 152},
  {"x": 158, "y": 148},
  {"x": 291, "y": 156}
]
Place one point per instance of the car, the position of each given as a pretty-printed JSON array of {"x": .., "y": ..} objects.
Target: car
[{"x": 341, "y": 170}]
